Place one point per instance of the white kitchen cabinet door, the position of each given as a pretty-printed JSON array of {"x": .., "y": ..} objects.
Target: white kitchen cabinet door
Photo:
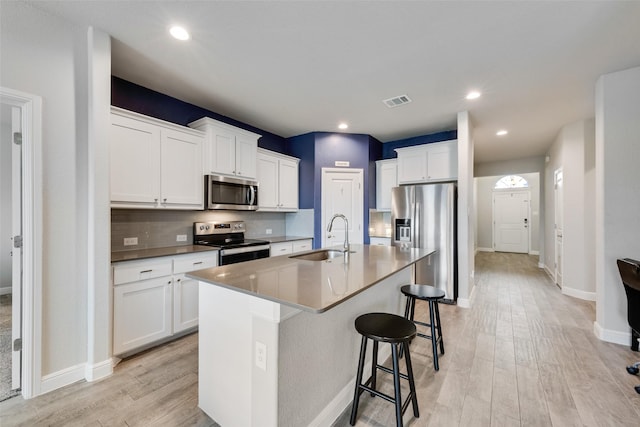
[
  {"x": 283, "y": 248},
  {"x": 380, "y": 241},
  {"x": 278, "y": 180},
  {"x": 412, "y": 165},
  {"x": 288, "y": 185},
  {"x": 442, "y": 161},
  {"x": 267, "y": 175},
  {"x": 181, "y": 177},
  {"x": 302, "y": 245},
  {"x": 246, "y": 153},
  {"x": 386, "y": 179},
  {"x": 222, "y": 152},
  {"x": 141, "y": 313},
  {"x": 185, "y": 303},
  {"x": 134, "y": 153}
]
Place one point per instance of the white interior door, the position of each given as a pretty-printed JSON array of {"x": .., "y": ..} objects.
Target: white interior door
[
  {"x": 16, "y": 251},
  {"x": 342, "y": 193},
  {"x": 558, "y": 215},
  {"x": 511, "y": 221}
]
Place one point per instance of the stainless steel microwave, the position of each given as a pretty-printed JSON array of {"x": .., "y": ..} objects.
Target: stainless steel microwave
[{"x": 223, "y": 192}]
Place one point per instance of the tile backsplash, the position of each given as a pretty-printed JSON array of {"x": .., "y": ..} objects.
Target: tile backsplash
[{"x": 159, "y": 228}]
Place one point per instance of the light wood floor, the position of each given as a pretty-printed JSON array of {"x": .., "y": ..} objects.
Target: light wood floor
[{"x": 523, "y": 355}]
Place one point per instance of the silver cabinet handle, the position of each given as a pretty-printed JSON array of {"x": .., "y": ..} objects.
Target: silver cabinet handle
[
  {"x": 146, "y": 271},
  {"x": 196, "y": 263}
]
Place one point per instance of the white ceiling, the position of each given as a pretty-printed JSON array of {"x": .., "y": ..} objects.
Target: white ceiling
[{"x": 301, "y": 66}]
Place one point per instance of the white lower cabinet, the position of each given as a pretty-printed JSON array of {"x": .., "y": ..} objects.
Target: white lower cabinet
[
  {"x": 153, "y": 299},
  {"x": 291, "y": 247},
  {"x": 380, "y": 241},
  {"x": 141, "y": 313}
]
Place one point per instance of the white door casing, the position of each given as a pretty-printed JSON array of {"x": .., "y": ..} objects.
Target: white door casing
[
  {"x": 16, "y": 250},
  {"x": 511, "y": 221},
  {"x": 342, "y": 193},
  {"x": 31, "y": 218},
  {"x": 558, "y": 217}
]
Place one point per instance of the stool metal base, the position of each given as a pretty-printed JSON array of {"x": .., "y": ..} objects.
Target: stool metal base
[
  {"x": 370, "y": 384},
  {"x": 433, "y": 325}
]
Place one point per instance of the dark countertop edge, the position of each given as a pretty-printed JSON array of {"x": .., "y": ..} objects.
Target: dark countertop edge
[
  {"x": 305, "y": 307},
  {"x": 140, "y": 254},
  {"x": 282, "y": 239}
]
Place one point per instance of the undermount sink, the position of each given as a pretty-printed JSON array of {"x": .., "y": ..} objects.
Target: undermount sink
[{"x": 320, "y": 255}]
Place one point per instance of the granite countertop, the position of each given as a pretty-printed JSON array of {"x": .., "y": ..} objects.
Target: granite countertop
[
  {"x": 314, "y": 286},
  {"x": 137, "y": 254},
  {"x": 280, "y": 239}
]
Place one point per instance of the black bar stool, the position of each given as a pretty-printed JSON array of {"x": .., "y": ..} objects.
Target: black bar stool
[
  {"x": 432, "y": 295},
  {"x": 397, "y": 331}
]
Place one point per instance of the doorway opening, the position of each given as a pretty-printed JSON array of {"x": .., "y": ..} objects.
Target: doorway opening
[
  {"x": 20, "y": 243},
  {"x": 342, "y": 193}
]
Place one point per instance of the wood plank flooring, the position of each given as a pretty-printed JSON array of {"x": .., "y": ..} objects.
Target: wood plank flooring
[{"x": 523, "y": 355}]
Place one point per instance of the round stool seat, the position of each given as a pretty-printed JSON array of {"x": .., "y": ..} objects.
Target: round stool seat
[
  {"x": 423, "y": 292},
  {"x": 385, "y": 327}
]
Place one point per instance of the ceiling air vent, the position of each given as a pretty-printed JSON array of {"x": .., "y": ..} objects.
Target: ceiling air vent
[{"x": 397, "y": 101}]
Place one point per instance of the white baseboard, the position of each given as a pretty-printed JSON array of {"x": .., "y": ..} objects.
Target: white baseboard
[
  {"x": 344, "y": 398},
  {"x": 577, "y": 293},
  {"x": 549, "y": 273},
  {"x": 541, "y": 265},
  {"x": 97, "y": 371},
  {"x": 608, "y": 335},
  {"x": 485, "y": 250},
  {"x": 466, "y": 302},
  {"x": 4, "y": 290},
  {"x": 534, "y": 252},
  {"x": 62, "y": 378}
]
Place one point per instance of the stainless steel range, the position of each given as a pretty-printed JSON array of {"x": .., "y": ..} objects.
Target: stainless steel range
[{"x": 229, "y": 238}]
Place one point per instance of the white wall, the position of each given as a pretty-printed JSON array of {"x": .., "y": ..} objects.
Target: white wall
[
  {"x": 466, "y": 213},
  {"x": 484, "y": 212},
  {"x": 5, "y": 199},
  {"x": 617, "y": 196},
  {"x": 573, "y": 152},
  {"x": 45, "y": 56}
]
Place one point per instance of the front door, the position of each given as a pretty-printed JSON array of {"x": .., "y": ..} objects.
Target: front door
[
  {"x": 511, "y": 221},
  {"x": 342, "y": 193}
]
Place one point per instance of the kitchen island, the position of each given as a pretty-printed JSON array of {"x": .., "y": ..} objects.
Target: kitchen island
[{"x": 277, "y": 344}]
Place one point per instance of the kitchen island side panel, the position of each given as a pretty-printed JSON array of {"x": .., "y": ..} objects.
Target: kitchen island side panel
[
  {"x": 318, "y": 354},
  {"x": 311, "y": 358}
]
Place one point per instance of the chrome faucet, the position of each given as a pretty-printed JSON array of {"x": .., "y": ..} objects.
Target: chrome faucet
[{"x": 346, "y": 247}]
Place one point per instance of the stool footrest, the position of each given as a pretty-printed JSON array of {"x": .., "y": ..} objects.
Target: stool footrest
[
  {"x": 390, "y": 371},
  {"x": 364, "y": 387}
]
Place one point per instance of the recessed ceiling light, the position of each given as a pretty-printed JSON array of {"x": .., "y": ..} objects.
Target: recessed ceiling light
[
  {"x": 502, "y": 132},
  {"x": 474, "y": 94},
  {"x": 179, "y": 33},
  {"x": 343, "y": 126}
]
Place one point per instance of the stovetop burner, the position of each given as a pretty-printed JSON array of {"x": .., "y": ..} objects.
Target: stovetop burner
[{"x": 226, "y": 235}]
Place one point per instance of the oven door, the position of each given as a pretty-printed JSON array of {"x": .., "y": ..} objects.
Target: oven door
[
  {"x": 232, "y": 256},
  {"x": 224, "y": 192}
]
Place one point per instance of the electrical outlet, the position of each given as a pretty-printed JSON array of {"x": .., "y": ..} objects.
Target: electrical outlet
[
  {"x": 261, "y": 355},
  {"x": 130, "y": 241},
  {"x": 269, "y": 231},
  {"x": 181, "y": 238}
]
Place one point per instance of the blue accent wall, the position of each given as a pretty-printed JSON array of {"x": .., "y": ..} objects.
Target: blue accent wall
[
  {"x": 133, "y": 97},
  {"x": 388, "y": 147}
]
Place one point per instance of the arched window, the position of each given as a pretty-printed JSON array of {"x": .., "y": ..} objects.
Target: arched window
[{"x": 511, "y": 181}]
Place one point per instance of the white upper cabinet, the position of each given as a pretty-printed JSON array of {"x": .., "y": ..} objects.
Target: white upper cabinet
[
  {"x": 277, "y": 182},
  {"x": 386, "y": 179},
  {"x": 428, "y": 163},
  {"x": 228, "y": 150},
  {"x": 153, "y": 163}
]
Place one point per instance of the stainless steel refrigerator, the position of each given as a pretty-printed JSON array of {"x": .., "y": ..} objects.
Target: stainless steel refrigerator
[{"x": 424, "y": 216}]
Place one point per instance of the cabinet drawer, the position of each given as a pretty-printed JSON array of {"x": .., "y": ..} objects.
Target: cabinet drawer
[
  {"x": 141, "y": 270},
  {"x": 283, "y": 248},
  {"x": 380, "y": 241},
  {"x": 193, "y": 262},
  {"x": 302, "y": 246}
]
